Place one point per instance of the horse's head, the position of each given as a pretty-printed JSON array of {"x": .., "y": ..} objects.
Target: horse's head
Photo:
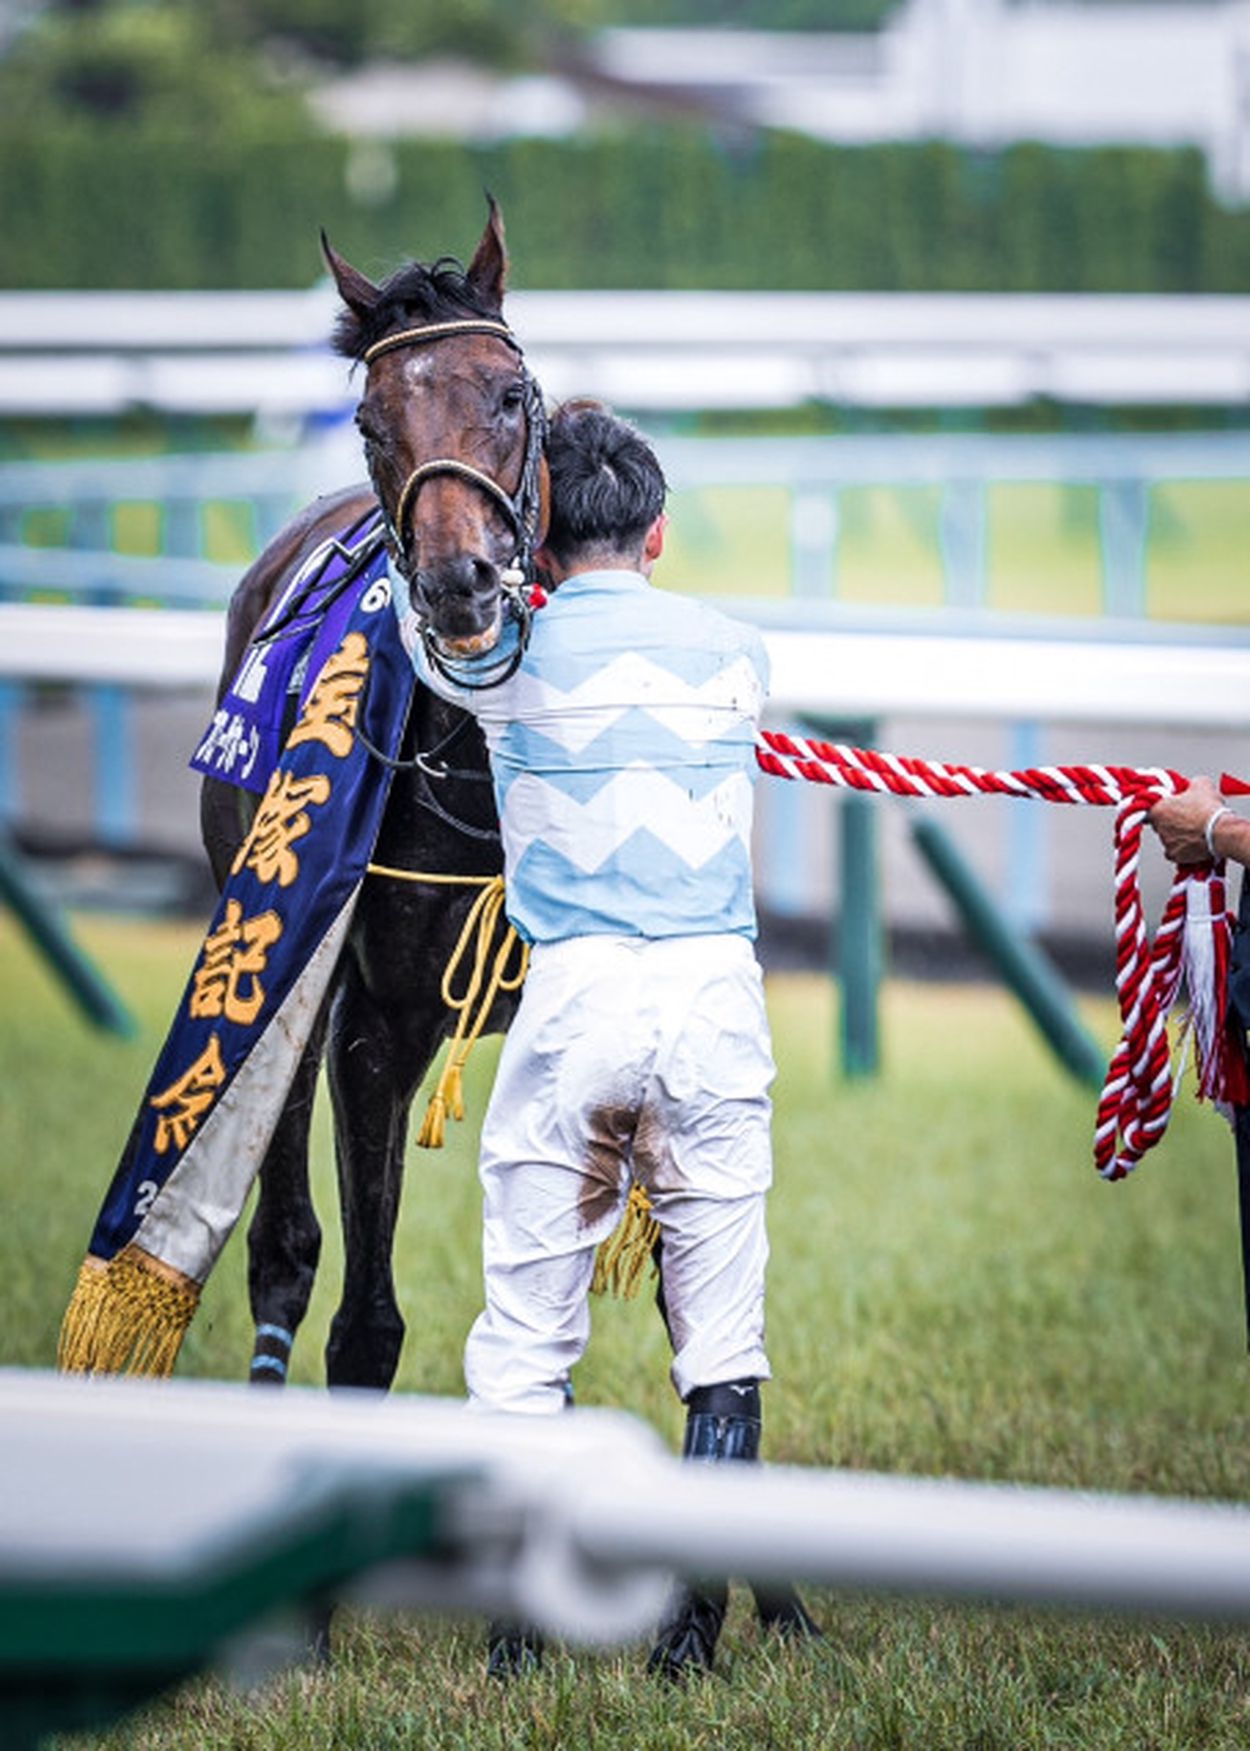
[{"x": 452, "y": 424}]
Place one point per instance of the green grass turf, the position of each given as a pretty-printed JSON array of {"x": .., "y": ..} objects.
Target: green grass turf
[{"x": 952, "y": 1291}]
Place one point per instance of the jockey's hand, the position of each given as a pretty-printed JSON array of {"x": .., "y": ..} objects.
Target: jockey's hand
[{"x": 1181, "y": 820}]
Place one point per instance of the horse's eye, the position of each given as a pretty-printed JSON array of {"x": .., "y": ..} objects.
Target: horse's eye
[{"x": 513, "y": 398}]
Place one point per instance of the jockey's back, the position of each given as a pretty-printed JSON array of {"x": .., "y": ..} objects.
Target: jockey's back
[{"x": 623, "y": 753}]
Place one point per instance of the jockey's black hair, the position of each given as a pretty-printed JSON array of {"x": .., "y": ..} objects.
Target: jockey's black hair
[
  {"x": 607, "y": 486},
  {"x": 413, "y": 294}
]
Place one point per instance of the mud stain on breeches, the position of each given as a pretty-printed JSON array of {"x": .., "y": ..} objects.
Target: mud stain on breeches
[{"x": 617, "y": 1136}]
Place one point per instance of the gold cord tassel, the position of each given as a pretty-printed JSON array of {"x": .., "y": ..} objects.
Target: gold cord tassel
[
  {"x": 78, "y": 1328},
  {"x": 127, "y": 1315},
  {"x": 473, "y": 1005},
  {"x": 622, "y": 1259}
]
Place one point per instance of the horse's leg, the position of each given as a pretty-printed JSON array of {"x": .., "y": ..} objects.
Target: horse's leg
[
  {"x": 377, "y": 1056},
  {"x": 283, "y": 1247},
  {"x": 284, "y": 1239}
]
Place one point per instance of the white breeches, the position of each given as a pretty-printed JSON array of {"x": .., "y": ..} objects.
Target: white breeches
[{"x": 629, "y": 1058}]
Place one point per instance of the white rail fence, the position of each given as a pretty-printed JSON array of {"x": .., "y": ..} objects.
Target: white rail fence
[
  {"x": 265, "y": 353},
  {"x": 575, "y": 1523}
]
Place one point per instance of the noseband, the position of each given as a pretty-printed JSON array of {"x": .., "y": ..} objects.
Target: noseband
[{"x": 522, "y": 508}]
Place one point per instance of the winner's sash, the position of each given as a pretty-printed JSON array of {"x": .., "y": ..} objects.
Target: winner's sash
[{"x": 257, "y": 985}]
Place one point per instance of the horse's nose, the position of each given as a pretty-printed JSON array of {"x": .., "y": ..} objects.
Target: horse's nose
[
  {"x": 463, "y": 575},
  {"x": 460, "y": 594}
]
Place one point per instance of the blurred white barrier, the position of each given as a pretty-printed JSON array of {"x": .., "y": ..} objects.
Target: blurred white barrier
[
  {"x": 267, "y": 352},
  {"x": 874, "y": 666},
  {"x": 573, "y": 1523}
]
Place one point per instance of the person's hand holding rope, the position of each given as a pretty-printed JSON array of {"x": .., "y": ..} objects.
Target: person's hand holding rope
[{"x": 1197, "y": 825}]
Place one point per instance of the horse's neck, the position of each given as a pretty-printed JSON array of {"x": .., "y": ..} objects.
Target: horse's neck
[{"x": 434, "y": 722}]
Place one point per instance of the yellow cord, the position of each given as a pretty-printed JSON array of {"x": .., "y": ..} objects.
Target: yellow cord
[
  {"x": 473, "y": 1005},
  {"x": 622, "y": 1259},
  {"x": 412, "y": 875}
]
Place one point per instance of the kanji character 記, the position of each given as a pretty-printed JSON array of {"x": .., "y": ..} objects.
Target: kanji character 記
[{"x": 226, "y": 982}]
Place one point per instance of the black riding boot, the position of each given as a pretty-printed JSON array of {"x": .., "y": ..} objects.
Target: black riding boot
[
  {"x": 778, "y": 1607},
  {"x": 722, "y": 1423}
]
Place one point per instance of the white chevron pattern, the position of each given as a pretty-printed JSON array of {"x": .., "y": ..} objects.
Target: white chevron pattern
[
  {"x": 587, "y": 834},
  {"x": 697, "y": 715}
]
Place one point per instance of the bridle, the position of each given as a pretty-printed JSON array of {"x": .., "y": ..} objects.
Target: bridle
[{"x": 523, "y": 508}]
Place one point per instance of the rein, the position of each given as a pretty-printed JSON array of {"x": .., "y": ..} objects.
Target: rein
[
  {"x": 359, "y": 557},
  {"x": 523, "y": 508},
  {"x": 428, "y": 762}
]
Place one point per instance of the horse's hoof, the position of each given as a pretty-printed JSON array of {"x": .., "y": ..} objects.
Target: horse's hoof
[
  {"x": 512, "y": 1652},
  {"x": 320, "y": 1649},
  {"x": 686, "y": 1645},
  {"x": 786, "y": 1614}
]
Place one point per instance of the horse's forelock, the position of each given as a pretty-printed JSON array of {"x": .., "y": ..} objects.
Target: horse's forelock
[{"x": 414, "y": 294}]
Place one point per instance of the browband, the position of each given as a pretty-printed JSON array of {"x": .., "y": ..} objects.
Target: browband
[{"x": 414, "y": 337}]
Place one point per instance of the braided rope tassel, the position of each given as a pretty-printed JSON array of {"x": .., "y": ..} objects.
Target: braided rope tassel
[
  {"x": 1136, "y": 1102},
  {"x": 473, "y": 1005},
  {"x": 1191, "y": 942}
]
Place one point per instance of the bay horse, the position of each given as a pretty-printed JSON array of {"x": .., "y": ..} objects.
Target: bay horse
[{"x": 452, "y": 425}]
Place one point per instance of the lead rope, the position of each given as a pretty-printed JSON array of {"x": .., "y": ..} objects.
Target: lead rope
[
  {"x": 474, "y": 1005},
  {"x": 1192, "y": 942}
]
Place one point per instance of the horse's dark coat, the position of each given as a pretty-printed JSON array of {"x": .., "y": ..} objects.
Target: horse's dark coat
[{"x": 385, "y": 1018}]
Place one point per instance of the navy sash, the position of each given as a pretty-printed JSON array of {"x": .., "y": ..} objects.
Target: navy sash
[
  {"x": 248, "y": 1010},
  {"x": 243, "y": 743}
]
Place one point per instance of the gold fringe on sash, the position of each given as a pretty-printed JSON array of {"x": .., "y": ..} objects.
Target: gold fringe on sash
[
  {"x": 622, "y": 1259},
  {"x": 127, "y": 1315}
]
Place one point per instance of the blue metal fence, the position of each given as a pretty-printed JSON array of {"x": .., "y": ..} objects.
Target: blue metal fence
[{"x": 59, "y": 537}]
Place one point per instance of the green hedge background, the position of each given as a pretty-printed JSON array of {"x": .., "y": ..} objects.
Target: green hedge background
[{"x": 100, "y": 209}]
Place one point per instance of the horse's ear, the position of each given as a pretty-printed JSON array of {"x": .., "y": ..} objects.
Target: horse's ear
[
  {"x": 488, "y": 271},
  {"x": 358, "y": 293}
]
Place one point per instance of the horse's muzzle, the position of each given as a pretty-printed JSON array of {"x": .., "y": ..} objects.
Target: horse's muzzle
[{"x": 461, "y": 601}]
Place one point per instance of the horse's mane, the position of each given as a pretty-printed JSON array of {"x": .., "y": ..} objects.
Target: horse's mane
[{"x": 414, "y": 294}]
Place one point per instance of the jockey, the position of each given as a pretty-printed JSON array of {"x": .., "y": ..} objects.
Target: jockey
[{"x": 622, "y": 753}]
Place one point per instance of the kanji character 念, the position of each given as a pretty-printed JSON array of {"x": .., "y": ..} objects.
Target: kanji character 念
[{"x": 183, "y": 1104}]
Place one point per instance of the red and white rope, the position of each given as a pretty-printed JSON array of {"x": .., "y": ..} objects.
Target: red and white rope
[{"x": 1194, "y": 932}]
